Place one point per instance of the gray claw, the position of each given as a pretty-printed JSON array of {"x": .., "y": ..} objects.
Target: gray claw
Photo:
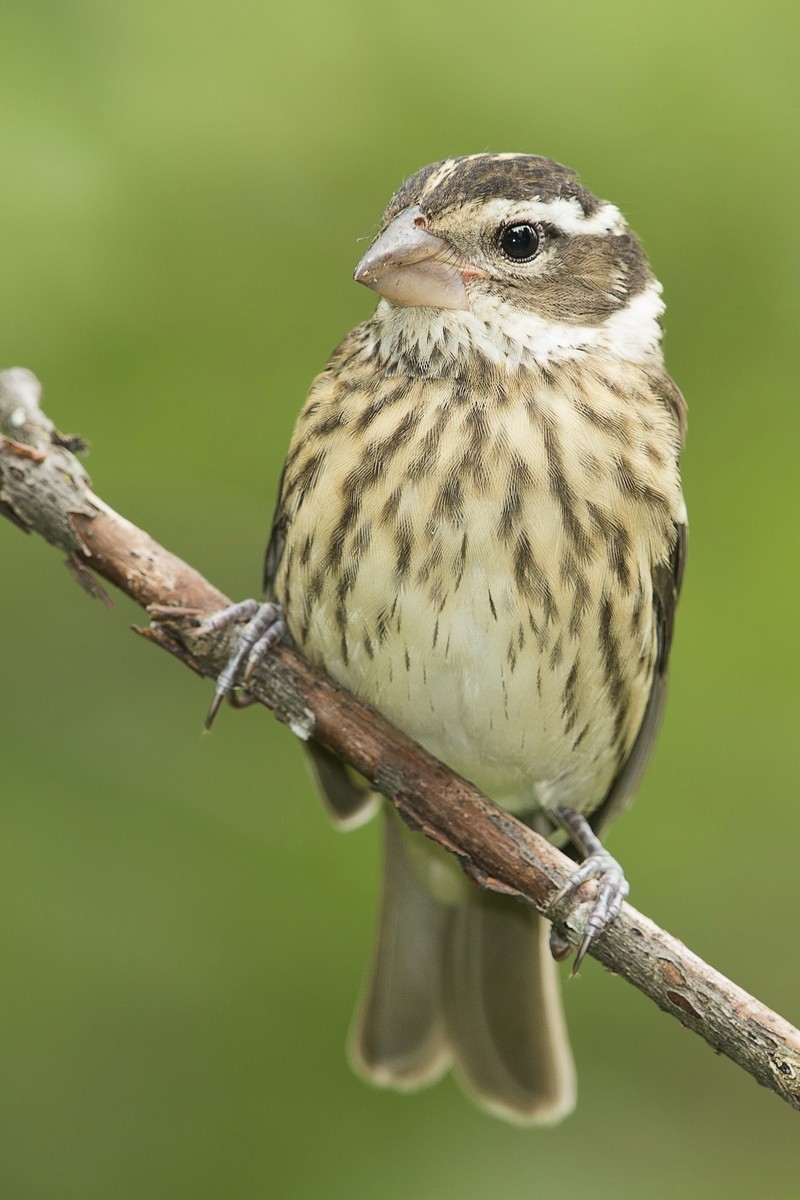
[
  {"x": 612, "y": 886},
  {"x": 265, "y": 627}
]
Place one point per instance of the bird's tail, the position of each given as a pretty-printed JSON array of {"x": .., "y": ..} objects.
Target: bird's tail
[{"x": 461, "y": 977}]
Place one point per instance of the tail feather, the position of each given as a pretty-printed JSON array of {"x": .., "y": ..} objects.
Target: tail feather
[
  {"x": 398, "y": 1037},
  {"x": 462, "y": 977},
  {"x": 504, "y": 1017}
]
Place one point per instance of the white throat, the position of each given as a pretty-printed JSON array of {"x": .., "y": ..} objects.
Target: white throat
[{"x": 431, "y": 339}]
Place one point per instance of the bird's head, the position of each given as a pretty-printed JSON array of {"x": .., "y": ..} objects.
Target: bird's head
[{"x": 511, "y": 251}]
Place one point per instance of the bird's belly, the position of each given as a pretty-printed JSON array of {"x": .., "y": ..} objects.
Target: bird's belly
[{"x": 487, "y": 683}]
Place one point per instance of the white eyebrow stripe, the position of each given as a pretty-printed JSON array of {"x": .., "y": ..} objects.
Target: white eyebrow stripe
[{"x": 563, "y": 213}]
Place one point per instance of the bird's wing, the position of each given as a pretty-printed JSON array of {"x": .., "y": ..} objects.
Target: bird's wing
[
  {"x": 347, "y": 796},
  {"x": 667, "y": 578}
]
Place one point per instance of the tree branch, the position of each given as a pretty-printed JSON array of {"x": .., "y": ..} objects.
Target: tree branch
[{"x": 44, "y": 489}]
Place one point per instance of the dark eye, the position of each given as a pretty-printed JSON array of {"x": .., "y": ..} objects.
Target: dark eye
[{"x": 520, "y": 242}]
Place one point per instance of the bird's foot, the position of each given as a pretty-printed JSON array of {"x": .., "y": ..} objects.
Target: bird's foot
[
  {"x": 265, "y": 627},
  {"x": 598, "y": 864}
]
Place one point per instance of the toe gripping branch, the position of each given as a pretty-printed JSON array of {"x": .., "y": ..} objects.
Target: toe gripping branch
[
  {"x": 265, "y": 627},
  {"x": 612, "y": 886}
]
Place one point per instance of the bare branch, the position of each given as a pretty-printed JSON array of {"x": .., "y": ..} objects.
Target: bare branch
[{"x": 44, "y": 489}]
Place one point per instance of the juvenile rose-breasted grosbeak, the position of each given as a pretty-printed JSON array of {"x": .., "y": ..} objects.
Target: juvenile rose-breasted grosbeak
[{"x": 480, "y": 531}]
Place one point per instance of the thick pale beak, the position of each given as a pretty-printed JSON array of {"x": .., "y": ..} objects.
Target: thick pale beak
[{"x": 411, "y": 267}]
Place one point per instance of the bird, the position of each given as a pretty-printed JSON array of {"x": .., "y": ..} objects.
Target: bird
[{"x": 480, "y": 531}]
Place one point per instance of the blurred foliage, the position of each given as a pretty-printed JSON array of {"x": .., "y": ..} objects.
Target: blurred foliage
[{"x": 185, "y": 189}]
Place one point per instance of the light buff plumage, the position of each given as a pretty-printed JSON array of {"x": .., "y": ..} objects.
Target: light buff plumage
[{"x": 480, "y": 531}]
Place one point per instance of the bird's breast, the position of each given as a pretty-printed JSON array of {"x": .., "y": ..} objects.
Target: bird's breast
[{"x": 480, "y": 571}]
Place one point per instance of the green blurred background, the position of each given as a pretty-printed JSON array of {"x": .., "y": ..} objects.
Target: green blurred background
[{"x": 185, "y": 190}]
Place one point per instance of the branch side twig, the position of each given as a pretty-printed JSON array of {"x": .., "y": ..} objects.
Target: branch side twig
[{"x": 44, "y": 489}]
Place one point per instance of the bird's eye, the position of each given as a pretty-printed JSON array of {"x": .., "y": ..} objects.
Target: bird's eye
[{"x": 520, "y": 242}]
